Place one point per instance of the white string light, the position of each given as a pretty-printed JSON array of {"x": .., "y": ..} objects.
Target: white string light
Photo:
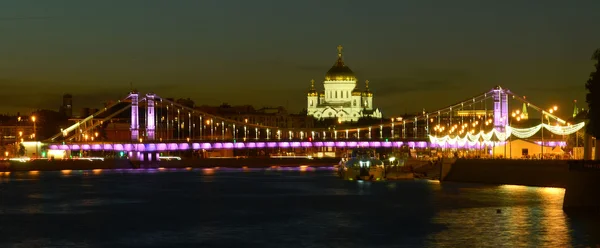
[
  {"x": 564, "y": 130},
  {"x": 523, "y": 133}
]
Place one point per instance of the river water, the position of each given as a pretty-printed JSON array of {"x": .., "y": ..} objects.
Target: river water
[{"x": 295, "y": 207}]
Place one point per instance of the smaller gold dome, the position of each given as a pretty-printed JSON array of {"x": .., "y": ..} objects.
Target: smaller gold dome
[
  {"x": 312, "y": 91},
  {"x": 367, "y": 92}
]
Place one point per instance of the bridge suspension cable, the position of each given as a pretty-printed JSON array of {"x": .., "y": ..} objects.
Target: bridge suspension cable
[
  {"x": 85, "y": 120},
  {"x": 535, "y": 107},
  {"x": 98, "y": 123},
  {"x": 175, "y": 120}
]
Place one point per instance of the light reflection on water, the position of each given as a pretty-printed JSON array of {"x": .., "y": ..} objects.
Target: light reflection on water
[
  {"x": 530, "y": 216},
  {"x": 277, "y": 207}
]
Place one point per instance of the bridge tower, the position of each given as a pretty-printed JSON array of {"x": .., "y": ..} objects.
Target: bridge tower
[
  {"x": 135, "y": 118},
  {"x": 150, "y": 117},
  {"x": 500, "y": 109}
]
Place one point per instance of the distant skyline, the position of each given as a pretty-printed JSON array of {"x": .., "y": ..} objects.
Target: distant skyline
[{"x": 415, "y": 54}]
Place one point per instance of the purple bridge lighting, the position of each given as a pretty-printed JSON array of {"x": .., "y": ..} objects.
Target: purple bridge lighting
[
  {"x": 232, "y": 145},
  {"x": 151, "y": 147}
]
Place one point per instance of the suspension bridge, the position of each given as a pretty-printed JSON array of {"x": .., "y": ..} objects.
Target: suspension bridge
[{"x": 159, "y": 124}]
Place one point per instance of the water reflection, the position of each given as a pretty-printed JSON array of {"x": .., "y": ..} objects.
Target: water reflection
[
  {"x": 208, "y": 171},
  {"x": 66, "y": 173},
  {"x": 508, "y": 216},
  {"x": 297, "y": 206}
]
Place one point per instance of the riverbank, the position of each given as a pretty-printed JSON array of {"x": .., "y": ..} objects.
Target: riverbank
[
  {"x": 56, "y": 165},
  {"x": 540, "y": 173}
]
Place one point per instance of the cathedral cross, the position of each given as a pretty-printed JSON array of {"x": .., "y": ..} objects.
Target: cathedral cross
[
  {"x": 340, "y": 48},
  {"x": 367, "y": 84},
  {"x": 312, "y": 84}
]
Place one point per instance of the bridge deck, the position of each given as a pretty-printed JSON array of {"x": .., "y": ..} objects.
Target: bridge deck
[{"x": 174, "y": 146}]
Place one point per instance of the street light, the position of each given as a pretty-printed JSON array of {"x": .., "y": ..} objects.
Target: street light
[
  {"x": 34, "y": 131},
  {"x": 34, "y": 126},
  {"x": 551, "y": 110},
  {"x": 518, "y": 116}
]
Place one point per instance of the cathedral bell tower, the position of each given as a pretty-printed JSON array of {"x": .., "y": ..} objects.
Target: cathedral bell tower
[{"x": 312, "y": 97}]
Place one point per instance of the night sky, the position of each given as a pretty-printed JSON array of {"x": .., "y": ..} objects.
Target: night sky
[{"x": 416, "y": 54}]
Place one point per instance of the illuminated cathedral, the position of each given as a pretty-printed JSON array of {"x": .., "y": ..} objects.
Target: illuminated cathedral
[{"x": 341, "y": 98}]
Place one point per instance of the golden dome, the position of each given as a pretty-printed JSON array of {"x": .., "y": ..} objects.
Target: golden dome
[{"x": 339, "y": 71}]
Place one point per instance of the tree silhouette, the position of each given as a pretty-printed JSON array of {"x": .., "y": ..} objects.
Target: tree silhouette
[
  {"x": 186, "y": 102},
  {"x": 593, "y": 98}
]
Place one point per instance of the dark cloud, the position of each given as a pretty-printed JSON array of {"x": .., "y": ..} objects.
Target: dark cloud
[
  {"x": 21, "y": 96},
  {"x": 293, "y": 66},
  {"x": 384, "y": 87},
  {"x": 312, "y": 68},
  {"x": 27, "y": 18},
  {"x": 554, "y": 89},
  {"x": 53, "y": 100}
]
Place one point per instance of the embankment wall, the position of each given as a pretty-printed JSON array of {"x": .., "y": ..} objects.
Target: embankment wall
[
  {"x": 542, "y": 173},
  {"x": 47, "y": 165}
]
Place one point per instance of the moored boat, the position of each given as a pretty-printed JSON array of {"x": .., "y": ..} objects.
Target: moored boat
[{"x": 362, "y": 165}]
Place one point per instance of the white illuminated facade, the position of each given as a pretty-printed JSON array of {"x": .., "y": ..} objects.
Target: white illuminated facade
[{"x": 341, "y": 98}]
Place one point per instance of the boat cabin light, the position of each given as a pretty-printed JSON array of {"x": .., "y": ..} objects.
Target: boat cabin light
[{"x": 364, "y": 163}]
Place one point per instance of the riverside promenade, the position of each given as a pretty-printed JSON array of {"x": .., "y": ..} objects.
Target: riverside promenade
[{"x": 57, "y": 165}]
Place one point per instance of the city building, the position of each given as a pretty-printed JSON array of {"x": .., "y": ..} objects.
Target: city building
[
  {"x": 16, "y": 129},
  {"x": 85, "y": 112},
  {"x": 268, "y": 116},
  {"x": 67, "y": 105},
  {"x": 341, "y": 98}
]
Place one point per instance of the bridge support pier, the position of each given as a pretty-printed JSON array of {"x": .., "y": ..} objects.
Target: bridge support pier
[
  {"x": 136, "y": 156},
  {"x": 150, "y": 117},
  {"x": 135, "y": 124},
  {"x": 500, "y": 109},
  {"x": 582, "y": 191}
]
